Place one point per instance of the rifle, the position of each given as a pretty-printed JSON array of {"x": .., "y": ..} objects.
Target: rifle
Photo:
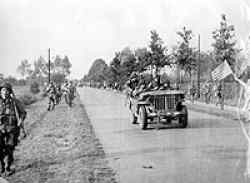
[{"x": 19, "y": 120}]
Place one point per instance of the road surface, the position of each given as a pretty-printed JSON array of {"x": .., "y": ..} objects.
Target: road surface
[{"x": 211, "y": 149}]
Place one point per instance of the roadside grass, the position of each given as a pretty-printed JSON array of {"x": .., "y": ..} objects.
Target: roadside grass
[
  {"x": 61, "y": 146},
  {"x": 24, "y": 94}
]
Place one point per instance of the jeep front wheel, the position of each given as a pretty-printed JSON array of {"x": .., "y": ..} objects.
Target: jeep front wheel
[
  {"x": 183, "y": 120},
  {"x": 142, "y": 118},
  {"x": 133, "y": 118}
]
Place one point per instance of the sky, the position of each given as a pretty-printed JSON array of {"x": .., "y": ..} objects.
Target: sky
[{"x": 85, "y": 30}]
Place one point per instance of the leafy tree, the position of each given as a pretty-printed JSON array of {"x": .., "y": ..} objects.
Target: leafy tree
[
  {"x": 62, "y": 65},
  {"x": 158, "y": 57},
  {"x": 142, "y": 59},
  {"x": 12, "y": 80},
  {"x": 128, "y": 64},
  {"x": 40, "y": 68},
  {"x": 115, "y": 68},
  {"x": 184, "y": 54},
  {"x": 66, "y": 65},
  {"x": 97, "y": 71},
  {"x": 24, "y": 68},
  {"x": 224, "y": 43},
  {"x": 58, "y": 77}
]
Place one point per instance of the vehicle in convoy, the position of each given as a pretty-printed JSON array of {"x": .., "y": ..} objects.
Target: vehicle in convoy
[{"x": 159, "y": 107}]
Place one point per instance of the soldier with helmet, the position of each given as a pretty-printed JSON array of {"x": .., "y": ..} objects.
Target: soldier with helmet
[
  {"x": 12, "y": 115},
  {"x": 51, "y": 90}
]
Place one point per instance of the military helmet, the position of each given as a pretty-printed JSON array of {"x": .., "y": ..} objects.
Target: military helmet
[{"x": 7, "y": 86}]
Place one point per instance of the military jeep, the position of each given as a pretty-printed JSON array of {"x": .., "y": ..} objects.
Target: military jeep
[{"x": 159, "y": 107}]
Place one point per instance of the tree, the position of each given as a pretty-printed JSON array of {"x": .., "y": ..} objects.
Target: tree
[
  {"x": 158, "y": 57},
  {"x": 62, "y": 66},
  {"x": 142, "y": 59},
  {"x": 115, "y": 68},
  {"x": 97, "y": 71},
  {"x": 58, "y": 65},
  {"x": 127, "y": 64},
  {"x": 184, "y": 54},
  {"x": 66, "y": 65},
  {"x": 24, "y": 68},
  {"x": 224, "y": 43}
]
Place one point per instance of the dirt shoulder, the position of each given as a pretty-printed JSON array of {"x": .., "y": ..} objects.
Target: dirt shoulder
[{"x": 61, "y": 147}]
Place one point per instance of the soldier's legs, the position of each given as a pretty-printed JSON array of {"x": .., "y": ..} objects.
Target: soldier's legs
[
  {"x": 10, "y": 147},
  {"x": 2, "y": 152},
  {"x": 66, "y": 99},
  {"x": 49, "y": 104}
]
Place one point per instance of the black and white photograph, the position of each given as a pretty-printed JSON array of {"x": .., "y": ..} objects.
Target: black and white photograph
[{"x": 124, "y": 91}]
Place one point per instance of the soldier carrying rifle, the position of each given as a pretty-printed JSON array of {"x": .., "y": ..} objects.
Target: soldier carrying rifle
[
  {"x": 51, "y": 90},
  {"x": 12, "y": 115}
]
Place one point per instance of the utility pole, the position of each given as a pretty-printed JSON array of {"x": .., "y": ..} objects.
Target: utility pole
[
  {"x": 198, "y": 69},
  {"x": 49, "y": 64}
]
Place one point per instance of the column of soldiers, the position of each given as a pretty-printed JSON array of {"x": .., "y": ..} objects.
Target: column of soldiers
[
  {"x": 55, "y": 93},
  {"x": 12, "y": 115}
]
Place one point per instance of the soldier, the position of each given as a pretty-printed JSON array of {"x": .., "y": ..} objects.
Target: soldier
[
  {"x": 65, "y": 90},
  {"x": 51, "y": 90},
  {"x": 155, "y": 84},
  {"x": 12, "y": 115},
  {"x": 192, "y": 92},
  {"x": 246, "y": 87},
  {"x": 58, "y": 93}
]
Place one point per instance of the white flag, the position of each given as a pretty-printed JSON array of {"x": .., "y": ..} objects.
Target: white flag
[{"x": 222, "y": 71}]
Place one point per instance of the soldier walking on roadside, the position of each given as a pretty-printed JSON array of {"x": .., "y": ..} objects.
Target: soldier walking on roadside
[
  {"x": 192, "y": 92},
  {"x": 12, "y": 115},
  {"x": 51, "y": 90},
  {"x": 58, "y": 94}
]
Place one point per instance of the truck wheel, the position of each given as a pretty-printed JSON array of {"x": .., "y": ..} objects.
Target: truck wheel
[
  {"x": 133, "y": 118},
  {"x": 142, "y": 119},
  {"x": 183, "y": 120}
]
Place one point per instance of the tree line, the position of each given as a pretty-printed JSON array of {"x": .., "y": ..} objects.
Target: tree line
[
  {"x": 182, "y": 58},
  {"x": 39, "y": 71}
]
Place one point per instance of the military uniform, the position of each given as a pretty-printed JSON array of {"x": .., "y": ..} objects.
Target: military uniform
[
  {"x": 51, "y": 90},
  {"x": 58, "y": 94},
  {"x": 11, "y": 112}
]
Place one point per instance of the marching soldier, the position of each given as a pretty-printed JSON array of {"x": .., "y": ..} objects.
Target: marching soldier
[
  {"x": 58, "y": 93},
  {"x": 51, "y": 90},
  {"x": 12, "y": 115}
]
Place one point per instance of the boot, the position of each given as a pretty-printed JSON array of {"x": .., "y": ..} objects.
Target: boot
[
  {"x": 10, "y": 159},
  {"x": 2, "y": 167}
]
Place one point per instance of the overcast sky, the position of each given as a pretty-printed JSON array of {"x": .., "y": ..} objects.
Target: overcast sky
[{"x": 89, "y": 29}]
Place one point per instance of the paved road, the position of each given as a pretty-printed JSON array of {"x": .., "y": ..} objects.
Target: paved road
[{"x": 211, "y": 149}]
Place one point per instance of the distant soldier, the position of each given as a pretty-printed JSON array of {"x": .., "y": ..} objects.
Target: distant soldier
[
  {"x": 12, "y": 115},
  {"x": 207, "y": 92},
  {"x": 192, "y": 92},
  {"x": 58, "y": 93},
  {"x": 219, "y": 94},
  {"x": 69, "y": 91},
  {"x": 246, "y": 87},
  {"x": 130, "y": 87},
  {"x": 51, "y": 91}
]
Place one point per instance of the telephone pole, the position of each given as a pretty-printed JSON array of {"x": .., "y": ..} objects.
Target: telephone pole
[
  {"x": 198, "y": 69},
  {"x": 49, "y": 63}
]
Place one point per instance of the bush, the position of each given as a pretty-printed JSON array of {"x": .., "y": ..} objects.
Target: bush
[
  {"x": 34, "y": 88},
  {"x": 27, "y": 99}
]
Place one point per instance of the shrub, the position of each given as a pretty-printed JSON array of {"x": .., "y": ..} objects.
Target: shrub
[
  {"x": 27, "y": 99},
  {"x": 34, "y": 87}
]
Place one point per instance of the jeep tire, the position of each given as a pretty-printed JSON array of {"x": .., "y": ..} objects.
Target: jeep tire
[
  {"x": 142, "y": 118},
  {"x": 183, "y": 120}
]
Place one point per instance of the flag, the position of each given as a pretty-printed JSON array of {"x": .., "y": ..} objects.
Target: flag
[{"x": 222, "y": 71}]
